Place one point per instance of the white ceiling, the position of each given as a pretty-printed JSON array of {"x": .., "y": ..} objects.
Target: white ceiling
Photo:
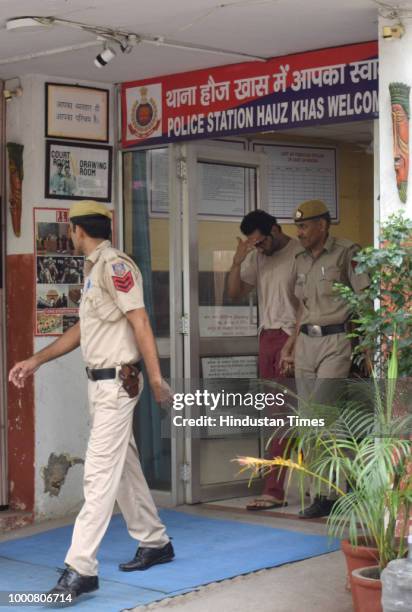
[{"x": 264, "y": 28}]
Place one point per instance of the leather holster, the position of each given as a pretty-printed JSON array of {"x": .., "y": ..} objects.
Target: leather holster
[{"x": 129, "y": 374}]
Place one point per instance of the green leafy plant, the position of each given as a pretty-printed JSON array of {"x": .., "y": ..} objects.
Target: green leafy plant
[
  {"x": 366, "y": 443},
  {"x": 387, "y": 302}
]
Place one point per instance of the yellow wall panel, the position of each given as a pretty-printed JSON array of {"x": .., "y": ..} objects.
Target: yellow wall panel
[{"x": 355, "y": 191}]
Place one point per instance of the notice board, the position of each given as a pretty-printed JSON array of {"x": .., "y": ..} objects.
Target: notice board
[{"x": 298, "y": 173}]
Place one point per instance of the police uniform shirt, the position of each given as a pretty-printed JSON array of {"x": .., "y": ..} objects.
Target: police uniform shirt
[
  {"x": 315, "y": 279},
  {"x": 113, "y": 286},
  {"x": 273, "y": 277}
]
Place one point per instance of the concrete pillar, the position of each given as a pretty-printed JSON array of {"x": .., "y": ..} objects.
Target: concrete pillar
[{"x": 394, "y": 66}]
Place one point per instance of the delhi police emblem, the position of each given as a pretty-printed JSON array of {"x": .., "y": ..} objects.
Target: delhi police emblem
[
  {"x": 299, "y": 214},
  {"x": 119, "y": 269},
  {"x": 144, "y": 115}
]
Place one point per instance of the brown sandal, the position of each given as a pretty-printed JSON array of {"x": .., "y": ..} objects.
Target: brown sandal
[{"x": 266, "y": 504}]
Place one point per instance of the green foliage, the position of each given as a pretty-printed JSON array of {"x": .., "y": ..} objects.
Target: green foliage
[
  {"x": 368, "y": 445},
  {"x": 388, "y": 300},
  {"x": 376, "y": 471}
]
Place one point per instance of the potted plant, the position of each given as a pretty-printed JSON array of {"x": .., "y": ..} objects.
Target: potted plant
[
  {"x": 380, "y": 488},
  {"x": 386, "y": 303},
  {"x": 364, "y": 443}
]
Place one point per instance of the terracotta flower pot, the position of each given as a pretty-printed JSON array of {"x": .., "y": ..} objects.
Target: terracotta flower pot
[
  {"x": 366, "y": 589},
  {"x": 358, "y": 556}
]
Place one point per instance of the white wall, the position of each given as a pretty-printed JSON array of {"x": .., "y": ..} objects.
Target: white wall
[
  {"x": 61, "y": 413},
  {"x": 394, "y": 65},
  {"x": 61, "y": 426}
]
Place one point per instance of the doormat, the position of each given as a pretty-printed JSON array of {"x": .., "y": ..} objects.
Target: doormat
[{"x": 207, "y": 550}]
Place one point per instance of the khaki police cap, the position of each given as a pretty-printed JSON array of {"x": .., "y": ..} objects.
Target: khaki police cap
[
  {"x": 312, "y": 209},
  {"x": 89, "y": 207}
]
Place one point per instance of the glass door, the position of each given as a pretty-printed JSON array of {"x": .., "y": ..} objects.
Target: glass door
[
  {"x": 3, "y": 375},
  {"x": 145, "y": 234},
  {"x": 3, "y": 412},
  {"x": 220, "y": 339}
]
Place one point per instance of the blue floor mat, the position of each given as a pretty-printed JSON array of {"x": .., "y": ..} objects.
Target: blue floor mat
[{"x": 207, "y": 550}]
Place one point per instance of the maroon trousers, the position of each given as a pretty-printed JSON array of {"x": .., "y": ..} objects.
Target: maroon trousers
[{"x": 271, "y": 342}]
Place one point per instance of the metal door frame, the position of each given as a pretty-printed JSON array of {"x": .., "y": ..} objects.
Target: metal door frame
[
  {"x": 191, "y": 155},
  {"x": 169, "y": 348},
  {"x": 3, "y": 353},
  {"x": 176, "y": 178}
]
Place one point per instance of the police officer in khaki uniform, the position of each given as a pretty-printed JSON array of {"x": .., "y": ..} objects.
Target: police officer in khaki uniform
[
  {"x": 322, "y": 351},
  {"x": 114, "y": 333}
]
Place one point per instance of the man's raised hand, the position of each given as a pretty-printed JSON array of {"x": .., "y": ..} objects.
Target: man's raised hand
[{"x": 243, "y": 249}]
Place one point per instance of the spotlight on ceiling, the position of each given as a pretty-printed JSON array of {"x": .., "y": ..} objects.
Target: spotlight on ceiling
[
  {"x": 391, "y": 32},
  {"x": 8, "y": 94},
  {"x": 104, "y": 57}
]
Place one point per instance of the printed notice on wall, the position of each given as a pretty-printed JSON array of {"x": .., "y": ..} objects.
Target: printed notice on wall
[
  {"x": 244, "y": 366},
  {"x": 215, "y": 321},
  {"x": 296, "y": 174},
  {"x": 59, "y": 273},
  {"x": 222, "y": 187},
  {"x": 77, "y": 112},
  {"x": 223, "y": 190},
  {"x": 158, "y": 180}
]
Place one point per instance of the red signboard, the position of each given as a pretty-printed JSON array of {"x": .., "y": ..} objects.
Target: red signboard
[{"x": 317, "y": 87}]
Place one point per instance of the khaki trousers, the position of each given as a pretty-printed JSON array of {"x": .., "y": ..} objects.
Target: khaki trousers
[
  {"x": 112, "y": 472},
  {"x": 321, "y": 365}
]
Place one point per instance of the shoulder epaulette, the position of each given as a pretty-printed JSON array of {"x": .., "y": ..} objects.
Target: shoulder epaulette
[{"x": 111, "y": 254}]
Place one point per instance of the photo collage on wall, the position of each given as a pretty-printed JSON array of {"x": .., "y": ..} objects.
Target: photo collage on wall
[
  {"x": 59, "y": 273},
  {"x": 77, "y": 170}
]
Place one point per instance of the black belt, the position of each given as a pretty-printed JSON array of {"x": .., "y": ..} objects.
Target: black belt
[
  {"x": 316, "y": 331},
  {"x": 107, "y": 373}
]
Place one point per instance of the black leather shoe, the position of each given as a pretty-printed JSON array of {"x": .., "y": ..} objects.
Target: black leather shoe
[
  {"x": 321, "y": 507},
  {"x": 72, "y": 584},
  {"x": 146, "y": 557}
]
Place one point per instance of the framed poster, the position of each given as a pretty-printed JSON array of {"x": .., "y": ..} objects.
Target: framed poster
[
  {"x": 58, "y": 273},
  {"x": 78, "y": 171},
  {"x": 76, "y": 112}
]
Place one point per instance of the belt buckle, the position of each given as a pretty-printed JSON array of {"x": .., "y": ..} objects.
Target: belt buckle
[{"x": 315, "y": 331}]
